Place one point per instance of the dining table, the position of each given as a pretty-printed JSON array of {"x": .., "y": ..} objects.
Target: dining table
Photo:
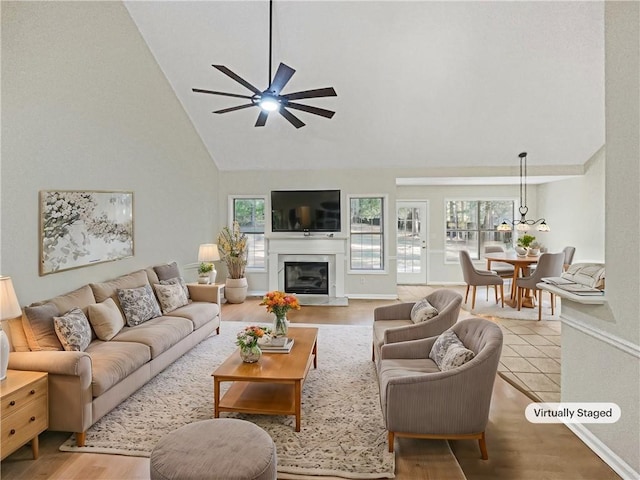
[{"x": 521, "y": 266}]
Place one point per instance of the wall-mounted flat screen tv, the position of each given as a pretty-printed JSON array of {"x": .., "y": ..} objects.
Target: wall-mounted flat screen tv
[{"x": 305, "y": 210}]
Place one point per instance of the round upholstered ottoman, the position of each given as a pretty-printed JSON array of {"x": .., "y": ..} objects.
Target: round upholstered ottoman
[{"x": 218, "y": 449}]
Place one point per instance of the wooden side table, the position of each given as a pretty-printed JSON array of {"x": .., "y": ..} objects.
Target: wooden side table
[{"x": 24, "y": 410}]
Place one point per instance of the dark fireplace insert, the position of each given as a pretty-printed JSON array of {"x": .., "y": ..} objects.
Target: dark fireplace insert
[{"x": 306, "y": 277}]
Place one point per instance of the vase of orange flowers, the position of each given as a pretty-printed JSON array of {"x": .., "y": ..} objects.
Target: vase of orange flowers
[
  {"x": 279, "y": 303},
  {"x": 247, "y": 340}
]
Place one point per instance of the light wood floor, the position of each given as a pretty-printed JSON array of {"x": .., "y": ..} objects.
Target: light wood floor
[{"x": 518, "y": 450}]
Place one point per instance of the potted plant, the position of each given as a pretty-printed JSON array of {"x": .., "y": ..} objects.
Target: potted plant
[
  {"x": 524, "y": 242},
  {"x": 204, "y": 272},
  {"x": 232, "y": 244}
]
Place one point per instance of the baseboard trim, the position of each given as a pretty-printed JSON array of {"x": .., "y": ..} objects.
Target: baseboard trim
[
  {"x": 371, "y": 296},
  {"x": 621, "y": 467}
]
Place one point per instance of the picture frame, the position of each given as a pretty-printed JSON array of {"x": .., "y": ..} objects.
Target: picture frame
[{"x": 79, "y": 228}]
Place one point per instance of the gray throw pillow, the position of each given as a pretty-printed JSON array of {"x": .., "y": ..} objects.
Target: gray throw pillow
[
  {"x": 73, "y": 330},
  {"x": 37, "y": 322},
  {"x": 439, "y": 349},
  {"x": 167, "y": 271},
  {"x": 171, "y": 297},
  {"x": 138, "y": 304},
  {"x": 423, "y": 311}
]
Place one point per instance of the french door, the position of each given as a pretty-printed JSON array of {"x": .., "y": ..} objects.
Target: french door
[{"x": 411, "y": 241}]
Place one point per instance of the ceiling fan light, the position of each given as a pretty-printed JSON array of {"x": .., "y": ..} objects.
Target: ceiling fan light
[{"x": 269, "y": 104}]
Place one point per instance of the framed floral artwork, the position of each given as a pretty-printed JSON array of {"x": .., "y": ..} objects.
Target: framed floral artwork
[{"x": 81, "y": 228}]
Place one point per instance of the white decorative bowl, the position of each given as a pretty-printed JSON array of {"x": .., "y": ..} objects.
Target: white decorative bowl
[{"x": 521, "y": 252}]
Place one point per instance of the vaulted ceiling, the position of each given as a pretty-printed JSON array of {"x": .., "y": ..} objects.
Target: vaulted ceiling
[{"x": 420, "y": 84}]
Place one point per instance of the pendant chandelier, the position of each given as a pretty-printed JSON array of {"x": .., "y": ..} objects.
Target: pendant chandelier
[{"x": 523, "y": 224}]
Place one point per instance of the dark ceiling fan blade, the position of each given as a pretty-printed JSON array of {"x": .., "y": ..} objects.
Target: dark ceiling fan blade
[
  {"x": 308, "y": 108},
  {"x": 262, "y": 118},
  {"x": 199, "y": 90},
  {"x": 295, "y": 121},
  {"x": 317, "y": 92},
  {"x": 233, "y": 109},
  {"x": 237, "y": 78},
  {"x": 282, "y": 77}
]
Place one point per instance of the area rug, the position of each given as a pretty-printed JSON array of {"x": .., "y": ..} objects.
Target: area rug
[
  {"x": 342, "y": 433},
  {"x": 489, "y": 308}
]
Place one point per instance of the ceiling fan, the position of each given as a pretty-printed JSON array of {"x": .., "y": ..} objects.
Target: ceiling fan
[{"x": 271, "y": 99}]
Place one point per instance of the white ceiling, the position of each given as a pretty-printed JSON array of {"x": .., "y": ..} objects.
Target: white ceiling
[{"x": 420, "y": 84}]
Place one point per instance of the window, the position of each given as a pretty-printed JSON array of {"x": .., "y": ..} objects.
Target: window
[
  {"x": 471, "y": 224},
  {"x": 366, "y": 226},
  {"x": 249, "y": 213}
]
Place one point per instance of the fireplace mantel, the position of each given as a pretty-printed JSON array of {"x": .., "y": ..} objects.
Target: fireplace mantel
[{"x": 312, "y": 247}]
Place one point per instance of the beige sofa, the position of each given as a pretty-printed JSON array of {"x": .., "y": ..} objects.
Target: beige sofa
[{"x": 85, "y": 385}]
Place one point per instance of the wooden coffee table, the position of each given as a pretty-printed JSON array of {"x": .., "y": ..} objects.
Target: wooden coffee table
[{"x": 273, "y": 385}]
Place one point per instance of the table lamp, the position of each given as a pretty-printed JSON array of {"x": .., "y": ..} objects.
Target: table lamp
[
  {"x": 208, "y": 253},
  {"x": 9, "y": 308}
]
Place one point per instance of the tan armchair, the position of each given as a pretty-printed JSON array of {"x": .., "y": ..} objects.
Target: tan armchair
[
  {"x": 392, "y": 323},
  {"x": 420, "y": 401}
]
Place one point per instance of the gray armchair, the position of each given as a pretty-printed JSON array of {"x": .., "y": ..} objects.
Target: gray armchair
[
  {"x": 392, "y": 323},
  {"x": 474, "y": 278},
  {"x": 418, "y": 400}
]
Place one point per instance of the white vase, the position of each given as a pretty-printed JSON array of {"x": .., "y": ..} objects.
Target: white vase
[
  {"x": 4, "y": 354},
  {"x": 235, "y": 290}
]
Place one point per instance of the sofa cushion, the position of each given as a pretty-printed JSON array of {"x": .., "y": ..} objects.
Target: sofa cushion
[
  {"x": 170, "y": 296},
  {"x": 81, "y": 298},
  {"x": 445, "y": 342},
  {"x": 423, "y": 311},
  {"x": 200, "y": 313},
  {"x": 159, "y": 334},
  {"x": 104, "y": 290},
  {"x": 37, "y": 322},
  {"x": 17, "y": 338},
  {"x": 106, "y": 319},
  {"x": 138, "y": 304},
  {"x": 73, "y": 330},
  {"x": 114, "y": 361}
]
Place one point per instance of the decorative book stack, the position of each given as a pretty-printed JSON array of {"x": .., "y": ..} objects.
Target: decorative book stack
[{"x": 284, "y": 347}]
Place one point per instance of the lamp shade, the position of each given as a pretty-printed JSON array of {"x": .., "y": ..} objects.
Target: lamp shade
[
  {"x": 208, "y": 252},
  {"x": 9, "y": 306}
]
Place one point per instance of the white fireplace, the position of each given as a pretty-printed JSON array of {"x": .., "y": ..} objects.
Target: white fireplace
[{"x": 324, "y": 249}]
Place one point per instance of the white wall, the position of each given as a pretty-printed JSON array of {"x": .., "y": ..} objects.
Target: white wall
[
  {"x": 575, "y": 211},
  {"x": 601, "y": 345},
  {"x": 85, "y": 106}
]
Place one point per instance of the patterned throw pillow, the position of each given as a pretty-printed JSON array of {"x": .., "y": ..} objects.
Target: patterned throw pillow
[
  {"x": 423, "y": 311},
  {"x": 446, "y": 341},
  {"x": 171, "y": 297},
  {"x": 178, "y": 281},
  {"x": 456, "y": 356},
  {"x": 73, "y": 330},
  {"x": 138, "y": 304}
]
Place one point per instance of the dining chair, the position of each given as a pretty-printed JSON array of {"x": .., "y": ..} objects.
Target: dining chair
[
  {"x": 474, "y": 277},
  {"x": 549, "y": 265},
  {"x": 503, "y": 269},
  {"x": 568, "y": 256}
]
